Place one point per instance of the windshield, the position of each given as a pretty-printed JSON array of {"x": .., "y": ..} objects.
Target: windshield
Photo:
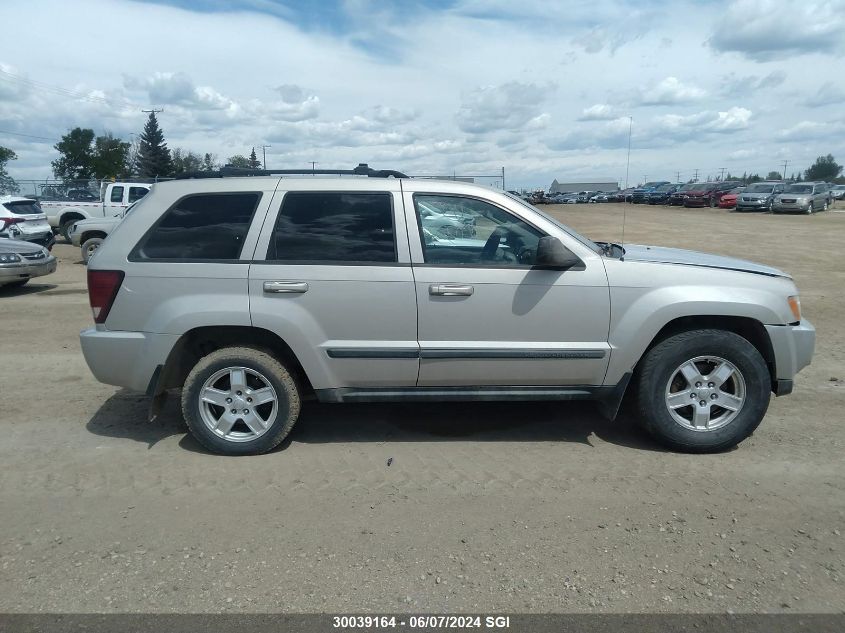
[
  {"x": 664, "y": 187},
  {"x": 586, "y": 242},
  {"x": 799, "y": 189},
  {"x": 759, "y": 189}
]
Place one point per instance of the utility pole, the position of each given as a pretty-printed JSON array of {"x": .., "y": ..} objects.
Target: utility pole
[
  {"x": 264, "y": 151},
  {"x": 695, "y": 178},
  {"x": 645, "y": 178},
  {"x": 503, "y": 179},
  {"x": 628, "y": 160},
  {"x": 313, "y": 166},
  {"x": 678, "y": 178},
  {"x": 722, "y": 175},
  {"x": 153, "y": 110},
  {"x": 783, "y": 173}
]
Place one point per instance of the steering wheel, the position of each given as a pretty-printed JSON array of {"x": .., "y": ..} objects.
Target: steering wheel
[{"x": 491, "y": 246}]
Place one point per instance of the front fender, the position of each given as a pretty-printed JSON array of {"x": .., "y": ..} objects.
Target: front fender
[{"x": 638, "y": 315}]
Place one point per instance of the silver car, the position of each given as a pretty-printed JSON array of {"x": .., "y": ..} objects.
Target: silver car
[
  {"x": 804, "y": 197},
  {"x": 759, "y": 196},
  {"x": 21, "y": 261},
  {"x": 250, "y": 294}
]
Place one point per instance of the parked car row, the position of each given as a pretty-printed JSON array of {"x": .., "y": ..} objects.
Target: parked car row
[
  {"x": 25, "y": 242},
  {"x": 770, "y": 196}
]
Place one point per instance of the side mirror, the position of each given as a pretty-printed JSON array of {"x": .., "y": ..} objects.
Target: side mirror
[{"x": 553, "y": 255}]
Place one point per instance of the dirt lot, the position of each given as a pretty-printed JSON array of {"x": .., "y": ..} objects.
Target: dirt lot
[{"x": 542, "y": 507}]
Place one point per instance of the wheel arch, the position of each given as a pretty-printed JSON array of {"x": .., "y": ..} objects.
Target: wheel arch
[
  {"x": 91, "y": 234},
  {"x": 71, "y": 214},
  {"x": 201, "y": 341},
  {"x": 748, "y": 328}
]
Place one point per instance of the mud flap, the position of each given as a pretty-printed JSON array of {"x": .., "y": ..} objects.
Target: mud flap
[
  {"x": 609, "y": 405},
  {"x": 158, "y": 393}
]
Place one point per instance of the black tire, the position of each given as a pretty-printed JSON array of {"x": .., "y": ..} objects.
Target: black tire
[
  {"x": 713, "y": 202},
  {"x": 64, "y": 229},
  {"x": 661, "y": 362},
  {"x": 276, "y": 374},
  {"x": 90, "y": 246}
]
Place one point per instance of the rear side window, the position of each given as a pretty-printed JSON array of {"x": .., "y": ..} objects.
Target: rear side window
[
  {"x": 201, "y": 227},
  {"x": 116, "y": 194},
  {"x": 24, "y": 207},
  {"x": 136, "y": 193},
  {"x": 355, "y": 228}
]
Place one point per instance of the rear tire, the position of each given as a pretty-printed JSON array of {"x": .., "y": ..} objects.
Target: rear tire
[
  {"x": 89, "y": 247},
  {"x": 745, "y": 393},
  {"x": 260, "y": 376}
]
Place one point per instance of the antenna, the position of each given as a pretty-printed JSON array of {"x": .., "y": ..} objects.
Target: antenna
[{"x": 627, "y": 168}]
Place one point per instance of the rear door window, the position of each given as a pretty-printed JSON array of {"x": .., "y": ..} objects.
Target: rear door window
[
  {"x": 336, "y": 228},
  {"x": 116, "y": 194},
  {"x": 136, "y": 193},
  {"x": 200, "y": 227}
]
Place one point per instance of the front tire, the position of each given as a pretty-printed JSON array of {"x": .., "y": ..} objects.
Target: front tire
[
  {"x": 702, "y": 391},
  {"x": 240, "y": 401},
  {"x": 65, "y": 228},
  {"x": 89, "y": 247}
]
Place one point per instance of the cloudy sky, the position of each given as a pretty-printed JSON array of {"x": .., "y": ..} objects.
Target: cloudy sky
[{"x": 544, "y": 89}]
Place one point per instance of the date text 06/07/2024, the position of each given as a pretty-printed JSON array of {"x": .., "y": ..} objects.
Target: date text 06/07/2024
[{"x": 421, "y": 622}]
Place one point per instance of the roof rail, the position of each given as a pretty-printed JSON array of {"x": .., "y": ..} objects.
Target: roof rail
[{"x": 228, "y": 171}]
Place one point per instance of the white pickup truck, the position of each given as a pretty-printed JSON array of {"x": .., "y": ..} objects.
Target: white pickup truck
[{"x": 61, "y": 214}]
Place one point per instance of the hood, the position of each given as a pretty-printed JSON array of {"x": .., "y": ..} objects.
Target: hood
[
  {"x": 755, "y": 195},
  {"x": 18, "y": 246},
  {"x": 661, "y": 255}
]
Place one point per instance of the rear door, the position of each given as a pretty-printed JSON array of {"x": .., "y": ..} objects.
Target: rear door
[{"x": 332, "y": 277}]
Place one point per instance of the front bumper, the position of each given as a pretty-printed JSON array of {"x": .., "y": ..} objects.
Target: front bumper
[
  {"x": 125, "y": 359},
  {"x": 789, "y": 206},
  {"x": 696, "y": 202},
  {"x": 747, "y": 205},
  {"x": 793, "y": 346},
  {"x": 10, "y": 273}
]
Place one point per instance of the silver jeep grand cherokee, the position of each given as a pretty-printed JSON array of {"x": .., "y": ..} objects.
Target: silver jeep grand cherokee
[{"x": 250, "y": 293}]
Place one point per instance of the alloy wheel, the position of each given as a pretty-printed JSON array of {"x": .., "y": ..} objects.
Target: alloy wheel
[{"x": 705, "y": 393}]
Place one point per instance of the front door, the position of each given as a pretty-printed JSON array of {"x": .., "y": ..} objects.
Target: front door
[{"x": 487, "y": 317}]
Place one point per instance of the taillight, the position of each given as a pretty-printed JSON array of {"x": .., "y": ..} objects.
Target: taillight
[
  {"x": 7, "y": 222},
  {"x": 102, "y": 289}
]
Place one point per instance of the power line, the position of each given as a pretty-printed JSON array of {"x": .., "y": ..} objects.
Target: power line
[
  {"x": 64, "y": 92},
  {"x": 43, "y": 138}
]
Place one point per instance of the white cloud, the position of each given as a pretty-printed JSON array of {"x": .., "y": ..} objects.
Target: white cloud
[
  {"x": 598, "y": 112},
  {"x": 510, "y": 106},
  {"x": 671, "y": 91},
  {"x": 384, "y": 86},
  {"x": 768, "y": 29}
]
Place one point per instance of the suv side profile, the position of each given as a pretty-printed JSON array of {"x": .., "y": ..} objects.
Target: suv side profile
[
  {"x": 251, "y": 294},
  {"x": 805, "y": 197}
]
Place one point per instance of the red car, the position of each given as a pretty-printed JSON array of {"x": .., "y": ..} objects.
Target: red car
[
  {"x": 708, "y": 194},
  {"x": 728, "y": 200}
]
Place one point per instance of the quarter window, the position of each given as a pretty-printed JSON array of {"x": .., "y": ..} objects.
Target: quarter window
[
  {"x": 468, "y": 232},
  {"x": 202, "y": 227},
  {"x": 313, "y": 228},
  {"x": 116, "y": 194}
]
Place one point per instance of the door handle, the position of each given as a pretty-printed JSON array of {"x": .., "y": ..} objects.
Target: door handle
[
  {"x": 286, "y": 287},
  {"x": 450, "y": 290}
]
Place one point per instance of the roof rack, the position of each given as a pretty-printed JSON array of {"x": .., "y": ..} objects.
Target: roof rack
[{"x": 228, "y": 171}]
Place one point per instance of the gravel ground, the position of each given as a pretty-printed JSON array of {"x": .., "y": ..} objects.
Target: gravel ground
[{"x": 488, "y": 507}]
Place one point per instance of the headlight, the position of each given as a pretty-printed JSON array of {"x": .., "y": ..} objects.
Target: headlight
[
  {"x": 795, "y": 305},
  {"x": 9, "y": 258}
]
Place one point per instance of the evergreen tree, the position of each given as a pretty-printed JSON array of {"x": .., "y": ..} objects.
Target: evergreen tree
[
  {"x": 209, "y": 162},
  {"x": 253, "y": 160},
  {"x": 153, "y": 156}
]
